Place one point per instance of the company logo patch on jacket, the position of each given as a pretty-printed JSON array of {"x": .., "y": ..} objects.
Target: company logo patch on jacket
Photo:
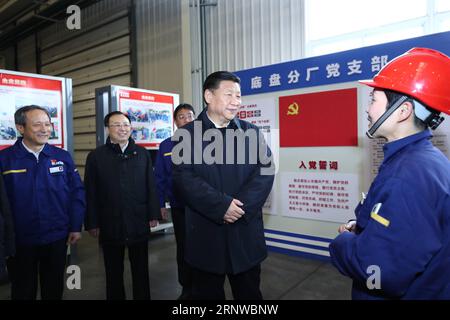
[
  {"x": 57, "y": 166},
  {"x": 54, "y": 162},
  {"x": 374, "y": 215}
]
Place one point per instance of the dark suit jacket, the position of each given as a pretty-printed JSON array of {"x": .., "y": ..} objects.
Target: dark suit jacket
[
  {"x": 120, "y": 191},
  {"x": 208, "y": 189},
  {"x": 7, "y": 237}
]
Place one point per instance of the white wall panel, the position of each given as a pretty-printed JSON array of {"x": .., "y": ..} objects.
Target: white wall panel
[{"x": 247, "y": 34}]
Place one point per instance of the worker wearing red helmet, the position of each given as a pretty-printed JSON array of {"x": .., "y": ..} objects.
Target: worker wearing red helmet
[{"x": 399, "y": 246}]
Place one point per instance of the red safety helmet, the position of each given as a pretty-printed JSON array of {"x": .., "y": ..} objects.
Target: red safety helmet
[{"x": 421, "y": 73}]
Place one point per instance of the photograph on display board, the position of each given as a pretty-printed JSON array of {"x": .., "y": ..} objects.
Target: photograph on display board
[
  {"x": 17, "y": 91},
  {"x": 7, "y": 130},
  {"x": 54, "y": 135},
  {"x": 150, "y": 115}
]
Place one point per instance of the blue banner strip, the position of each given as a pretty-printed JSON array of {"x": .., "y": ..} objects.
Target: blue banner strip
[
  {"x": 296, "y": 235},
  {"x": 345, "y": 66}
]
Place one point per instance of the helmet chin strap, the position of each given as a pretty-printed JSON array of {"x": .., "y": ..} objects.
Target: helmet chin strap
[{"x": 370, "y": 133}]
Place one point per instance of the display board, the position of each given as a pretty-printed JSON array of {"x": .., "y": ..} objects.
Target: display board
[
  {"x": 151, "y": 112},
  {"x": 18, "y": 89}
]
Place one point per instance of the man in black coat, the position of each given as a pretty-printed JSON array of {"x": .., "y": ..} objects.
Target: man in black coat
[
  {"x": 121, "y": 205},
  {"x": 7, "y": 238},
  {"x": 224, "y": 173}
]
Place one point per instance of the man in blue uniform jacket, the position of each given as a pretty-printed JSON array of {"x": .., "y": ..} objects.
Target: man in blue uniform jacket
[
  {"x": 183, "y": 114},
  {"x": 47, "y": 201},
  {"x": 399, "y": 246},
  {"x": 224, "y": 185}
]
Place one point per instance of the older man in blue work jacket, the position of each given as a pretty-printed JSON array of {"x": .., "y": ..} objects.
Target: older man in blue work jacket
[{"x": 47, "y": 202}]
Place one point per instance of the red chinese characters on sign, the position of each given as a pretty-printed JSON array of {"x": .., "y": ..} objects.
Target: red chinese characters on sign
[
  {"x": 318, "y": 165},
  {"x": 319, "y": 119},
  {"x": 314, "y": 195},
  {"x": 249, "y": 114}
]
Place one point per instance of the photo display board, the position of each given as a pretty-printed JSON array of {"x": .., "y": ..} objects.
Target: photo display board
[
  {"x": 19, "y": 89},
  {"x": 151, "y": 112}
]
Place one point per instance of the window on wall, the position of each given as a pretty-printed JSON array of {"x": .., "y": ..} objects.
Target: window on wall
[{"x": 333, "y": 26}]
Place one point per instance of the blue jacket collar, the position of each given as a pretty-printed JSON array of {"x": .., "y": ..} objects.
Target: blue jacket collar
[
  {"x": 21, "y": 152},
  {"x": 393, "y": 147}
]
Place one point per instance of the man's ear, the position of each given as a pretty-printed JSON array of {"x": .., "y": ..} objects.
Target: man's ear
[
  {"x": 20, "y": 128},
  {"x": 405, "y": 111},
  {"x": 208, "y": 94}
]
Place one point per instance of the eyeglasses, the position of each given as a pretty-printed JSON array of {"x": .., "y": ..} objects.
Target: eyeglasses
[
  {"x": 188, "y": 116},
  {"x": 120, "y": 125}
]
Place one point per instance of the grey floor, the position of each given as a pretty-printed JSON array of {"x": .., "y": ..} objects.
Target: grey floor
[{"x": 283, "y": 277}]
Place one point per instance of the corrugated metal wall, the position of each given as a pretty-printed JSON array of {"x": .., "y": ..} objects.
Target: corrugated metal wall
[
  {"x": 252, "y": 33},
  {"x": 99, "y": 54},
  {"x": 26, "y": 57},
  {"x": 240, "y": 34},
  {"x": 159, "y": 56}
]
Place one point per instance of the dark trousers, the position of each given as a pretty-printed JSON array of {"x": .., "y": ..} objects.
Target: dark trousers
[
  {"x": 46, "y": 262},
  {"x": 210, "y": 286},
  {"x": 113, "y": 256},
  {"x": 184, "y": 270}
]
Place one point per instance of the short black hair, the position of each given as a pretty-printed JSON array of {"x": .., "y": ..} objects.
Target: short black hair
[
  {"x": 182, "y": 106},
  {"x": 20, "y": 117},
  {"x": 109, "y": 115},
  {"x": 212, "y": 81}
]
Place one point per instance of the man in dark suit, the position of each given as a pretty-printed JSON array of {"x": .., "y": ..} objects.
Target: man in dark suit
[
  {"x": 121, "y": 205},
  {"x": 224, "y": 193},
  {"x": 7, "y": 241}
]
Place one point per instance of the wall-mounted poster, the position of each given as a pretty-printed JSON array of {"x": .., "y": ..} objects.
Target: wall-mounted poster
[
  {"x": 151, "y": 115},
  {"x": 261, "y": 112},
  {"x": 20, "y": 89}
]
